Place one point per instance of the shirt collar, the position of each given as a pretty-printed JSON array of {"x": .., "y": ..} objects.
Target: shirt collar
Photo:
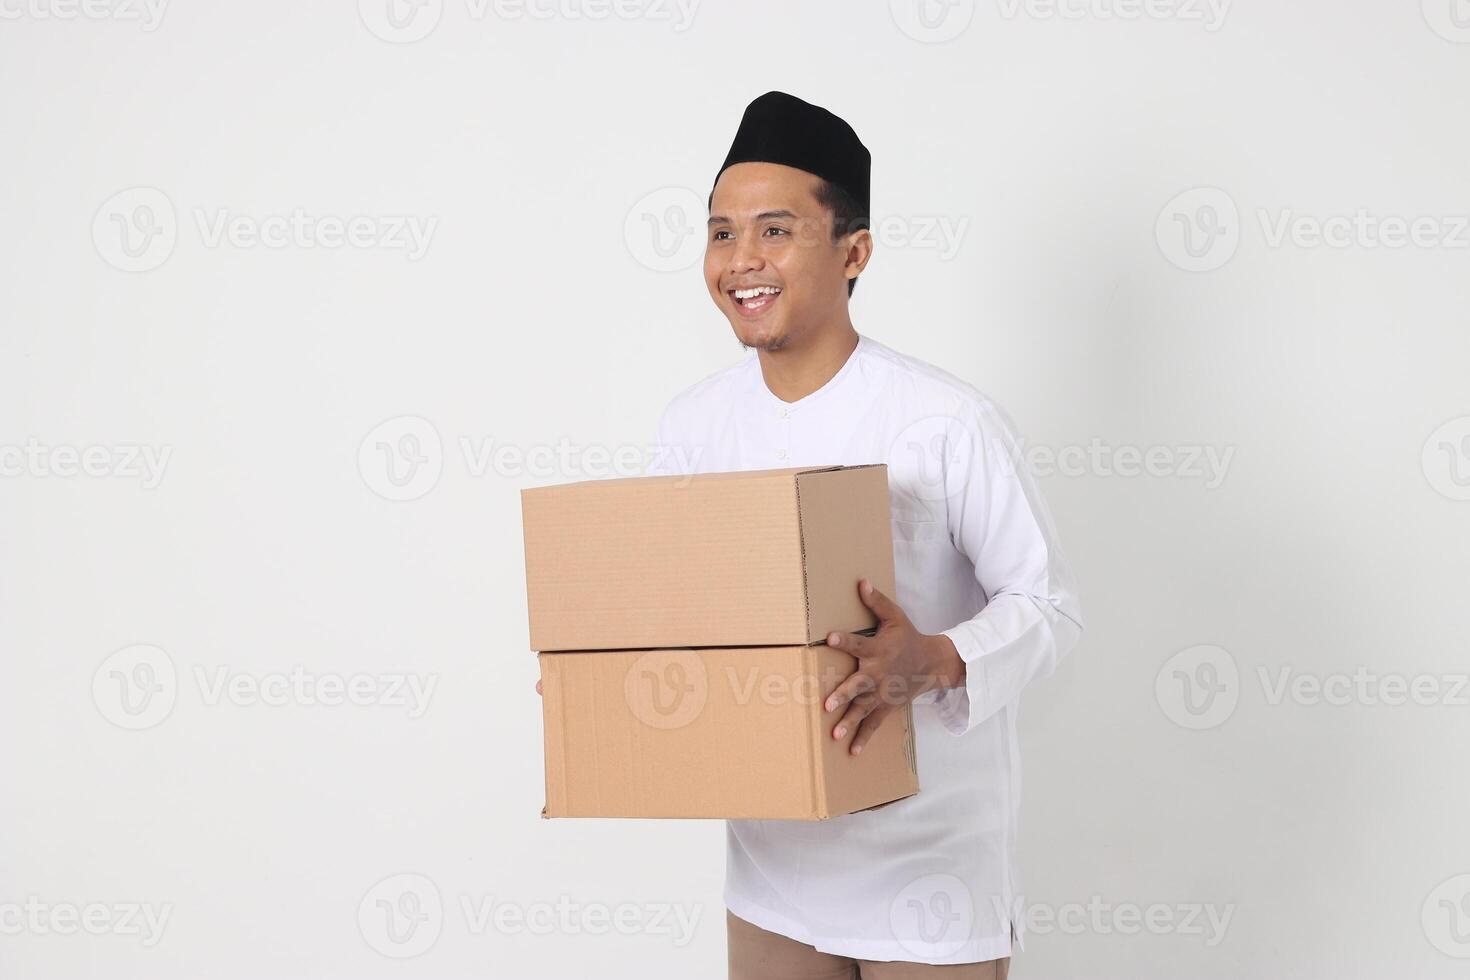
[{"x": 767, "y": 396}]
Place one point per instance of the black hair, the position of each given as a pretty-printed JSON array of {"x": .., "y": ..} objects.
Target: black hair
[{"x": 848, "y": 215}]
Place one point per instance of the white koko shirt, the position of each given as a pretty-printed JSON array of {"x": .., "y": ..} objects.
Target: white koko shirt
[{"x": 931, "y": 878}]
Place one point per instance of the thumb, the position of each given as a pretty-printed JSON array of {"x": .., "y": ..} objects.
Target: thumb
[{"x": 883, "y": 607}]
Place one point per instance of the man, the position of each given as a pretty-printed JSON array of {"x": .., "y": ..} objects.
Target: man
[{"x": 985, "y": 603}]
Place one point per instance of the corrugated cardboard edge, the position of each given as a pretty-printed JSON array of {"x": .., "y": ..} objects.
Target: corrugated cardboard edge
[
  {"x": 806, "y": 591},
  {"x": 883, "y": 582},
  {"x": 554, "y": 755},
  {"x": 526, "y": 571},
  {"x": 813, "y": 744}
]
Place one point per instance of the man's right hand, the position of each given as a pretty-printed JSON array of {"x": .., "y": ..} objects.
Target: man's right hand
[{"x": 538, "y": 687}]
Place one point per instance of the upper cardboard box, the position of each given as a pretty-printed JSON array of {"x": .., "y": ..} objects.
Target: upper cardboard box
[{"x": 760, "y": 557}]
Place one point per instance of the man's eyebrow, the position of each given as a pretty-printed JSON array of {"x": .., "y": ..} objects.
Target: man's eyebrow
[{"x": 720, "y": 219}]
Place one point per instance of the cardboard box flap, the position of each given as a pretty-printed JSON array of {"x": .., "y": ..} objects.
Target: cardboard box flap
[{"x": 831, "y": 504}]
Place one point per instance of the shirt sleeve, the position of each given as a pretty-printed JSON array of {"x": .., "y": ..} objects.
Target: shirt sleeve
[{"x": 998, "y": 519}]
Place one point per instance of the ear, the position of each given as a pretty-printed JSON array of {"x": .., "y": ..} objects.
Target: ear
[{"x": 859, "y": 245}]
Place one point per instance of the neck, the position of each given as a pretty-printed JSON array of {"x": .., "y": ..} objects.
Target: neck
[{"x": 803, "y": 365}]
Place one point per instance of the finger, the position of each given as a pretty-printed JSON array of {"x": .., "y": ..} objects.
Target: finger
[
  {"x": 883, "y": 607},
  {"x": 869, "y": 726},
  {"x": 856, "y": 685},
  {"x": 538, "y": 687},
  {"x": 862, "y": 706},
  {"x": 849, "y": 643}
]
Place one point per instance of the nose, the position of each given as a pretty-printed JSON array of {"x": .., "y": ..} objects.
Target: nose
[{"x": 745, "y": 257}]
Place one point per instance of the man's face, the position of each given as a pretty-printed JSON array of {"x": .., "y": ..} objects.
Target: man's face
[{"x": 767, "y": 231}]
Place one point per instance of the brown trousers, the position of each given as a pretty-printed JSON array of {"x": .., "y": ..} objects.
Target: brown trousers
[{"x": 756, "y": 954}]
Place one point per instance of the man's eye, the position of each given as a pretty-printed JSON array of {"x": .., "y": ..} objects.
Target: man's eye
[
  {"x": 719, "y": 233},
  {"x": 778, "y": 230}
]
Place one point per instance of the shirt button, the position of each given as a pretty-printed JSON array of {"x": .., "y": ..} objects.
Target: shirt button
[
  {"x": 780, "y": 454},
  {"x": 784, "y": 413}
]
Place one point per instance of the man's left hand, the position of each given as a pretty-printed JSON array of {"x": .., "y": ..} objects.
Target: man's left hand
[{"x": 895, "y": 665}]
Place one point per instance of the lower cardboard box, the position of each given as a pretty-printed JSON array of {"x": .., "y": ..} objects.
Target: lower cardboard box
[{"x": 737, "y": 733}]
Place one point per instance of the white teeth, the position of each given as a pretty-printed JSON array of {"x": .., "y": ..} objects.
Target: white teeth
[{"x": 758, "y": 291}]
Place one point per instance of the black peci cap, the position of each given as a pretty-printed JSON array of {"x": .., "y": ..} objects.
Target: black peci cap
[{"x": 780, "y": 128}]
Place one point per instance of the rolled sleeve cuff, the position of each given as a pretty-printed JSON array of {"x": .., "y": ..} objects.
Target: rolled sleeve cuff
[
  {"x": 953, "y": 704},
  {"x": 1037, "y": 635}
]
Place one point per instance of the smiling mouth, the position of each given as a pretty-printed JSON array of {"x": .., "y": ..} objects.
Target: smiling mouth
[{"x": 757, "y": 300}]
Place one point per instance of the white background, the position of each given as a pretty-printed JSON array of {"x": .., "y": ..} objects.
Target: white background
[{"x": 544, "y": 313}]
